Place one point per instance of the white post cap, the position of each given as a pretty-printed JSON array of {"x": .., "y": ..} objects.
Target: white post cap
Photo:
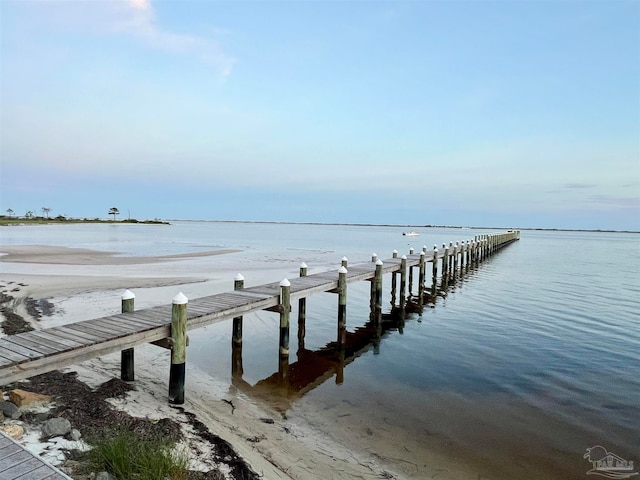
[
  {"x": 379, "y": 262},
  {"x": 345, "y": 259},
  {"x": 303, "y": 265},
  {"x": 180, "y": 299},
  {"x": 239, "y": 277},
  {"x": 285, "y": 283},
  {"x": 128, "y": 295},
  {"x": 342, "y": 270},
  {"x": 404, "y": 257}
]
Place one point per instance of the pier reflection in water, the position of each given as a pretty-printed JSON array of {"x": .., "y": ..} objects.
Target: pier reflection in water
[{"x": 314, "y": 367}]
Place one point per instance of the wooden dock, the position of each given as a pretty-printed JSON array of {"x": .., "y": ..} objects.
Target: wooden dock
[
  {"x": 28, "y": 354},
  {"x": 16, "y": 463}
]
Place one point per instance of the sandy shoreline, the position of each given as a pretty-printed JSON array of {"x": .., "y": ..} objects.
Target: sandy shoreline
[
  {"x": 44, "y": 254},
  {"x": 279, "y": 450}
]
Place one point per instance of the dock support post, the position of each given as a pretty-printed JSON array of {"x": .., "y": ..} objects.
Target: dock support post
[
  {"x": 179, "y": 349},
  {"x": 127, "y": 356},
  {"x": 444, "y": 277},
  {"x": 236, "y": 336},
  {"x": 403, "y": 283},
  {"x": 456, "y": 252},
  {"x": 236, "y": 339},
  {"x": 344, "y": 262},
  {"x": 434, "y": 273},
  {"x": 378, "y": 284},
  {"x": 394, "y": 282},
  {"x": 421, "y": 281},
  {"x": 452, "y": 252},
  {"x": 285, "y": 312},
  {"x": 372, "y": 294},
  {"x": 342, "y": 307},
  {"x": 302, "y": 312}
]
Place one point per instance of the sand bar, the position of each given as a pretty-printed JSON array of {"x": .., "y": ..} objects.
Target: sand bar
[{"x": 43, "y": 254}]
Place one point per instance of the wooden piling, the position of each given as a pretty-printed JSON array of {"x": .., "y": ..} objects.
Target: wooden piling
[
  {"x": 302, "y": 312},
  {"x": 445, "y": 266},
  {"x": 178, "y": 349},
  {"x": 236, "y": 337},
  {"x": 342, "y": 307},
  {"x": 127, "y": 356},
  {"x": 434, "y": 272},
  {"x": 421, "y": 279},
  {"x": 394, "y": 282},
  {"x": 285, "y": 312},
  {"x": 456, "y": 253},
  {"x": 403, "y": 282},
  {"x": 378, "y": 284}
]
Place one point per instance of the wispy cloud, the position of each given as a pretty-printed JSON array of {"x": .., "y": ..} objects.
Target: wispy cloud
[
  {"x": 138, "y": 18},
  {"x": 579, "y": 185}
]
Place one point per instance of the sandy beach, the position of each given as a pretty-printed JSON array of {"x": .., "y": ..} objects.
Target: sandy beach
[{"x": 272, "y": 445}]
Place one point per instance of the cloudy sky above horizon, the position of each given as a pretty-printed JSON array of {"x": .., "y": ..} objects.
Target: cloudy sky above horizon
[{"x": 479, "y": 113}]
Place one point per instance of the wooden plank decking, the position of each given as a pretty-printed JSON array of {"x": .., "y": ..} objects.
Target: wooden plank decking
[{"x": 16, "y": 463}]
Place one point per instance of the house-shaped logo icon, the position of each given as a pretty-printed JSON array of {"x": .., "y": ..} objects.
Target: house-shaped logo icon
[{"x": 607, "y": 464}]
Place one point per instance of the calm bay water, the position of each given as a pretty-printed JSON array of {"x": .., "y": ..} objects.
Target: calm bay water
[{"x": 526, "y": 362}]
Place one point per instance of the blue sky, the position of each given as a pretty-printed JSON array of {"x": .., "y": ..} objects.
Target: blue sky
[{"x": 480, "y": 113}]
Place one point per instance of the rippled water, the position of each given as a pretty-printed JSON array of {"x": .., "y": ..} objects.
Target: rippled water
[{"x": 527, "y": 361}]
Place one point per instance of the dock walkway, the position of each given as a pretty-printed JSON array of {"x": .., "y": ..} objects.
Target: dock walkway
[{"x": 16, "y": 463}]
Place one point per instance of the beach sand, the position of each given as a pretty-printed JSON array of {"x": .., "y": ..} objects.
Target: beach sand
[{"x": 273, "y": 446}]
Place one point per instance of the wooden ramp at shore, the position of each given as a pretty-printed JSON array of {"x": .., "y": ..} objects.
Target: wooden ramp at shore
[
  {"x": 16, "y": 463},
  {"x": 32, "y": 353}
]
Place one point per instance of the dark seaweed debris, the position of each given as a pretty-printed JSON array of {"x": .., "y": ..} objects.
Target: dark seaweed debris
[{"x": 89, "y": 412}]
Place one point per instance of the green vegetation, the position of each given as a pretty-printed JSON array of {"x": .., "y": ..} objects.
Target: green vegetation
[
  {"x": 126, "y": 455},
  {"x": 31, "y": 219}
]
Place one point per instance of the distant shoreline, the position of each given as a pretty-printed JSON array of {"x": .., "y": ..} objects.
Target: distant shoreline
[
  {"x": 13, "y": 221},
  {"x": 19, "y": 221},
  {"x": 406, "y": 225}
]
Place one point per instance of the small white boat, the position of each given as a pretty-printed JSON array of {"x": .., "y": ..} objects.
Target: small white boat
[{"x": 412, "y": 233}]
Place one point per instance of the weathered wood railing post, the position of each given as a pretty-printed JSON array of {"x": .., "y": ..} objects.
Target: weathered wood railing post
[
  {"x": 344, "y": 262},
  {"x": 468, "y": 255},
  {"x": 285, "y": 313},
  {"x": 456, "y": 252},
  {"x": 342, "y": 307},
  {"x": 434, "y": 273},
  {"x": 444, "y": 276},
  {"x": 410, "y": 284},
  {"x": 378, "y": 284},
  {"x": 178, "y": 349},
  {"x": 372, "y": 293},
  {"x": 403, "y": 283},
  {"x": 394, "y": 282},
  {"x": 236, "y": 339},
  {"x": 127, "y": 367},
  {"x": 302, "y": 312},
  {"x": 421, "y": 280}
]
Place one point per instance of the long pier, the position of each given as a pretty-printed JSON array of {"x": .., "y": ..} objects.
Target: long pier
[{"x": 28, "y": 354}]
